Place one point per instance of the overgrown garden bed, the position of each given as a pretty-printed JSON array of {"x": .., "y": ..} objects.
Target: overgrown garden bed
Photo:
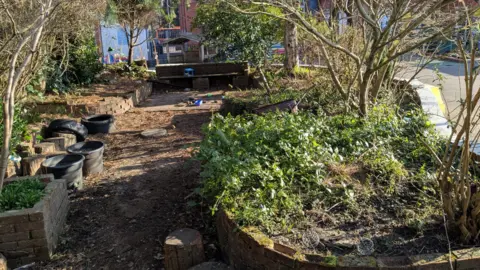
[{"x": 330, "y": 185}]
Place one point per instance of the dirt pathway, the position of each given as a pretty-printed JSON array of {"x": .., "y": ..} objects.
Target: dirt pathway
[{"x": 122, "y": 217}]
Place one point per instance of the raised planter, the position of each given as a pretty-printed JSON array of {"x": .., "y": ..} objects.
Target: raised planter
[
  {"x": 115, "y": 105},
  {"x": 248, "y": 248},
  {"x": 29, "y": 235}
]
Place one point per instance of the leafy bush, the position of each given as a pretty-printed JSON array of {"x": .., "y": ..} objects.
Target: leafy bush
[
  {"x": 22, "y": 117},
  {"x": 246, "y": 101},
  {"x": 268, "y": 170},
  {"x": 21, "y": 194},
  {"x": 84, "y": 63},
  {"x": 238, "y": 36},
  {"x": 80, "y": 68},
  {"x": 239, "y": 102},
  {"x": 133, "y": 71}
]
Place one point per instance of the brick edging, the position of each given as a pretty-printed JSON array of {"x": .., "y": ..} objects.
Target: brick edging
[
  {"x": 31, "y": 234},
  {"x": 115, "y": 105},
  {"x": 249, "y": 248}
]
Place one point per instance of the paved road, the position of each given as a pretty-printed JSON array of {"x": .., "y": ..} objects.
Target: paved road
[{"x": 452, "y": 83}]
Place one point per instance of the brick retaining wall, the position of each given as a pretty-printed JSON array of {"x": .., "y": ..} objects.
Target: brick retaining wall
[
  {"x": 110, "y": 105},
  {"x": 29, "y": 235},
  {"x": 248, "y": 248}
]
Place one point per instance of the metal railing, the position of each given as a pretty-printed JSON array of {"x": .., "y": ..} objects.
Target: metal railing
[{"x": 168, "y": 33}]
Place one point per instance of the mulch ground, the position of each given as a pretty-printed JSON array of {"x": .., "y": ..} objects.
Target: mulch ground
[{"x": 122, "y": 217}]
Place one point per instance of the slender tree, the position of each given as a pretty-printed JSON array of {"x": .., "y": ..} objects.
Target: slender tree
[
  {"x": 29, "y": 32},
  {"x": 386, "y": 30},
  {"x": 135, "y": 16},
  {"x": 239, "y": 36}
]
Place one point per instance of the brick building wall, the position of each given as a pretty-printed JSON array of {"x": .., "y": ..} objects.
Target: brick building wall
[{"x": 188, "y": 11}]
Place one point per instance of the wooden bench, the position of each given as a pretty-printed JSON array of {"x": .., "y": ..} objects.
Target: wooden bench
[
  {"x": 200, "y": 76},
  {"x": 173, "y": 74}
]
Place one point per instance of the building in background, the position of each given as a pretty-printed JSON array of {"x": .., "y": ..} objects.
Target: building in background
[
  {"x": 187, "y": 13},
  {"x": 113, "y": 45}
]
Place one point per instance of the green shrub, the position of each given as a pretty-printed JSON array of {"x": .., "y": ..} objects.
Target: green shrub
[
  {"x": 84, "y": 63},
  {"x": 21, "y": 194},
  {"x": 22, "y": 117},
  {"x": 238, "y": 102},
  {"x": 79, "y": 67},
  {"x": 123, "y": 69},
  {"x": 268, "y": 170}
]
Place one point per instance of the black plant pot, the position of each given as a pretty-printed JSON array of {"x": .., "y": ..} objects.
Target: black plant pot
[
  {"x": 93, "y": 153},
  {"x": 68, "y": 167},
  {"x": 100, "y": 123}
]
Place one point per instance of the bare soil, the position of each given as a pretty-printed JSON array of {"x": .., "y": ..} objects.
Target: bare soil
[
  {"x": 388, "y": 222},
  {"x": 122, "y": 217}
]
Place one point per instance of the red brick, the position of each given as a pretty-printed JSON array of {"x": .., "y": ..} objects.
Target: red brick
[
  {"x": 32, "y": 165},
  {"x": 8, "y": 246},
  {"x": 284, "y": 249},
  {"x": 28, "y": 226},
  {"x": 18, "y": 253},
  {"x": 6, "y": 228},
  {"x": 14, "y": 237},
  {"x": 36, "y": 234},
  {"x": 356, "y": 262},
  {"x": 467, "y": 259},
  {"x": 431, "y": 261},
  {"x": 280, "y": 258},
  {"x": 59, "y": 143},
  {"x": 394, "y": 262},
  {"x": 12, "y": 219},
  {"x": 35, "y": 216},
  {"x": 32, "y": 243},
  {"x": 44, "y": 148}
]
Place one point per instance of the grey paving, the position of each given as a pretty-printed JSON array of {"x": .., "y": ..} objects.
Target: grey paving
[{"x": 449, "y": 76}]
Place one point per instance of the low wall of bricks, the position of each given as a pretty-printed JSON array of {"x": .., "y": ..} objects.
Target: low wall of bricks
[
  {"x": 29, "y": 235},
  {"x": 248, "y": 248},
  {"x": 115, "y": 105}
]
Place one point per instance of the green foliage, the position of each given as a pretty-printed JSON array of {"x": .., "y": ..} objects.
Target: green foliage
[
  {"x": 84, "y": 63},
  {"x": 301, "y": 71},
  {"x": 246, "y": 101},
  {"x": 22, "y": 117},
  {"x": 34, "y": 87},
  {"x": 134, "y": 16},
  {"x": 240, "y": 37},
  {"x": 80, "y": 67},
  {"x": 322, "y": 97},
  {"x": 121, "y": 11},
  {"x": 132, "y": 71},
  {"x": 268, "y": 170},
  {"x": 21, "y": 194}
]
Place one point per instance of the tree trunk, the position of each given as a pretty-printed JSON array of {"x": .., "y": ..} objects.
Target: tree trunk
[
  {"x": 14, "y": 76},
  {"x": 363, "y": 104},
  {"x": 378, "y": 82},
  {"x": 131, "y": 44},
  {"x": 291, "y": 47},
  {"x": 265, "y": 83}
]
